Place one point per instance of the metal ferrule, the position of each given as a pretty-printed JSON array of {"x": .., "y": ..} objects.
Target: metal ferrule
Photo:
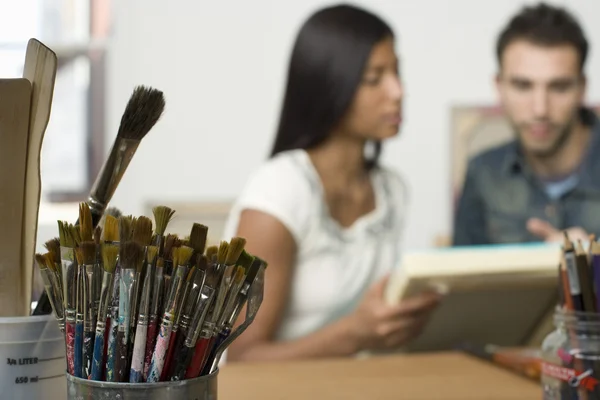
[
  {"x": 202, "y": 308},
  {"x": 111, "y": 173}
]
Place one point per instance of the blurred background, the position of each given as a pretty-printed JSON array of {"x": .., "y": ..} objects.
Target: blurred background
[{"x": 221, "y": 66}]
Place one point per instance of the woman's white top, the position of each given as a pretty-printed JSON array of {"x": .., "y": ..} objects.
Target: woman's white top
[{"x": 334, "y": 265}]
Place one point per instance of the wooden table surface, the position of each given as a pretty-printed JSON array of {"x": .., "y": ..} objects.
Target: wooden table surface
[{"x": 451, "y": 376}]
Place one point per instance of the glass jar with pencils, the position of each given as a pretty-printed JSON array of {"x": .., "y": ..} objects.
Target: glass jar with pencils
[{"x": 571, "y": 357}]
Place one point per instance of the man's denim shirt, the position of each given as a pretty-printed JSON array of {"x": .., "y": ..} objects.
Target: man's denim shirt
[{"x": 501, "y": 193}]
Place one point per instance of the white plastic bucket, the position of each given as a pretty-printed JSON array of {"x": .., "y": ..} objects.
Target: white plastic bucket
[{"x": 32, "y": 358}]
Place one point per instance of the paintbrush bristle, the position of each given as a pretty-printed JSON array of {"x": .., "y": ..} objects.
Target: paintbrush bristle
[
  {"x": 75, "y": 235},
  {"x": 64, "y": 235},
  {"x": 125, "y": 228},
  {"x": 174, "y": 256},
  {"x": 202, "y": 263},
  {"x": 245, "y": 260},
  {"x": 169, "y": 246},
  {"x": 198, "y": 236},
  {"x": 162, "y": 217},
  {"x": 51, "y": 264},
  {"x": 222, "y": 252},
  {"x": 213, "y": 276},
  {"x": 143, "y": 110},
  {"x": 110, "y": 233},
  {"x": 41, "y": 261},
  {"x": 88, "y": 250},
  {"x": 110, "y": 211},
  {"x": 236, "y": 246},
  {"x": 151, "y": 252},
  {"x": 239, "y": 276},
  {"x": 110, "y": 252},
  {"x": 79, "y": 255},
  {"x": 86, "y": 227},
  {"x": 53, "y": 247},
  {"x": 211, "y": 252},
  {"x": 184, "y": 255},
  {"x": 142, "y": 232},
  {"x": 131, "y": 255}
]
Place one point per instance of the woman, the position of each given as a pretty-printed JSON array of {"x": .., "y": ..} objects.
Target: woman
[{"x": 322, "y": 212}]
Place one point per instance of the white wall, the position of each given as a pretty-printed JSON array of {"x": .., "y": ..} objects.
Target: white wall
[{"x": 221, "y": 65}]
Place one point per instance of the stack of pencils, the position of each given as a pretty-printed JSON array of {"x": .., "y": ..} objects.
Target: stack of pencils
[
  {"x": 139, "y": 305},
  {"x": 579, "y": 301}
]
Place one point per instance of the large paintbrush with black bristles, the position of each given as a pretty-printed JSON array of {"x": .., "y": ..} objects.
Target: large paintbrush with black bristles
[{"x": 143, "y": 110}]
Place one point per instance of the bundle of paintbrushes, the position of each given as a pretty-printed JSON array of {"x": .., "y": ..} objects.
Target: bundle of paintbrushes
[
  {"x": 572, "y": 357},
  {"x": 139, "y": 305}
]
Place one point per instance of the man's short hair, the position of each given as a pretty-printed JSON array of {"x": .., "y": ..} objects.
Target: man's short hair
[{"x": 544, "y": 25}]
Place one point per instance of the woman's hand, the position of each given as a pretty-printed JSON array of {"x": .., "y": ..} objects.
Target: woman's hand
[{"x": 380, "y": 326}]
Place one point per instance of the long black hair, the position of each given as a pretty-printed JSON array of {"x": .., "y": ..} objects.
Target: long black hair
[{"x": 325, "y": 70}]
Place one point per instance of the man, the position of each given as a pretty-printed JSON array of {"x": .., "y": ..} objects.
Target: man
[{"x": 548, "y": 179}]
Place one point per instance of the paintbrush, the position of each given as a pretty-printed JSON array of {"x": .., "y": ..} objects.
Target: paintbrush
[
  {"x": 88, "y": 255},
  {"x": 109, "y": 257},
  {"x": 53, "y": 247},
  {"x": 592, "y": 239},
  {"x": 172, "y": 243},
  {"x": 186, "y": 353},
  {"x": 187, "y": 363},
  {"x": 98, "y": 269},
  {"x": 595, "y": 250},
  {"x": 573, "y": 277},
  {"x": 197, "y": 241},
  {"x": 46, "y": 266},
  {"x": 238, "y": 280},
  {"x": 69, "y": 275},
  {"x": 110, "y": 236},
  {"x": 250, "y": 300},
  {"x": 198, "y": 236},
  {"x": 157, "y": 294},
  {"x": 142, "y": 234},
  {"x": 525, "y": 362},
  {"x": 162, "y": 217},
  {"x": 175, "y": 331},
  {"x": 203, "y": 342},
  {"x": 226, "y": 266},
  {"x": 131, "y": 257},
  {"x": 211, "y": 253},
  {"x": 187, "y": 313},
  {"x": 143, "y": 110},
  {"x": 574, "y": 291},
  {"x": 110, "y": 231},
  {"x": 43, "y": 306},
  {"x": 139, "y": 346},
  {"x": 113, "y": 326},
  {"x": 110, "y": 211},
  {"x": 80, "y": 307},
  {"x": 181, "y": 258},
  {"x": 585, "y": 279},
  {"x": 234, "y": 307},
  {"x": 87, "y": 267}
]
